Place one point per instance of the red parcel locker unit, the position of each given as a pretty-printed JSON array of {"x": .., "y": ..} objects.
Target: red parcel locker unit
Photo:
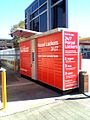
[{"x": 52, "y": 57}]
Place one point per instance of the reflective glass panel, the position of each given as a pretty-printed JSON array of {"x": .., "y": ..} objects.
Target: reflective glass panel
[
  {"x": 41, "y": 2},
  {"x": 43, "y": 22}
]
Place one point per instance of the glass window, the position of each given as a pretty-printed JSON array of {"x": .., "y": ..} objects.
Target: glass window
[
  {"x": 36, "y": 24},
  {"x": 35, "y": 14},
  {"x": 58, "y": 15},
  {"x": 31, "y": 25},
  {"x": 35, "y": 6},
  {"x": 25, "y": 23},
  {"x": 25, "y": 20},
  {"x": 25, "y": 14},
  {"x": 30, "y": 16},
  {"x": 54, "y": 1},
  {"x": 43, "y": 8},
  {"x": 43, "y": 22},
  {"x": 41, "y": 2},
  {"x": 25, "y": 26}
]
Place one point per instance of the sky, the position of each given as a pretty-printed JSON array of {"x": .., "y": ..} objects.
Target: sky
[
  {"x": 79, "y": 16},
  {"x": 13, "y": 11}
]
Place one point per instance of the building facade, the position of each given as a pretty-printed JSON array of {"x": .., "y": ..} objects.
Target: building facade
[
  {"x": 84, "y": 45},
  {"x": 6, "y": 43},
  {"x": 43, "y": 15}
]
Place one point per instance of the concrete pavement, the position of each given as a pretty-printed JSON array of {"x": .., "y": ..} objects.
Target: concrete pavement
[
  {"x": 68, "y": 107},
  {"x": 28, "y": 100}
]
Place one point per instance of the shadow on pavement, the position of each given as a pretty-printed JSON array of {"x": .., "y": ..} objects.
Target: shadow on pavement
[
  {"x": 19, "y": 88},
  {"x": 22, "y": 88},
  {"x": 85, "y": 96}
]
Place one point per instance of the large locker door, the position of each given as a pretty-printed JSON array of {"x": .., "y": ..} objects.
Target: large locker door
[{"x": 49, "y": 59}]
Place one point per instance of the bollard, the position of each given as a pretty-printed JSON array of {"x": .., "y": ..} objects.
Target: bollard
[
  {"x": 4, "y": 91},
  {"x": 83, "y": 82},
  {"x": 14, "y": 65}
]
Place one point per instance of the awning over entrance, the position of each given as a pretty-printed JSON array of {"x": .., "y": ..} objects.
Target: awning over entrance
[
  {"x": 24, "y": 33},
  {"x": 84, "y": 41}
]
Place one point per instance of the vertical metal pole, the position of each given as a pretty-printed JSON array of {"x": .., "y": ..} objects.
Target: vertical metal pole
[
  {"x": 2, "y": 84},
  {"x": 63, "y": 61},
  {"x": 48, "y": 14},
  {"x": 66, "y": 7},
  {"x": 4, "y": 91},
  {"x": 14, "y": 65}
]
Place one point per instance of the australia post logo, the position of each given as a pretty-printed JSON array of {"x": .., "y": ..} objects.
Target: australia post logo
[{"x": 24, "y": 49}]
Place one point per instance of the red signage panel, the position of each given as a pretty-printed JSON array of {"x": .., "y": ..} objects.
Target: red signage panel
[
  {"x": 25, "y": 58},
  {"x": 70, "y": 60}
]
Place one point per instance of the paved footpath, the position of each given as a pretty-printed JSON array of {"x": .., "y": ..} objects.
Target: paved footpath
[
  {"x": 30, "y": 101},
  {"x": 69, "y": 107}
]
